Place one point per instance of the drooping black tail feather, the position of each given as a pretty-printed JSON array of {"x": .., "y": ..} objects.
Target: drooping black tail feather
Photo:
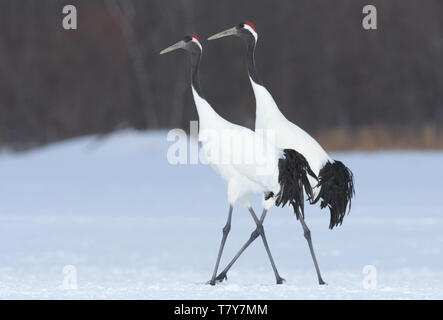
[
  {"x": 336, "y": 183},
  {"x": 293, "y": 177}
]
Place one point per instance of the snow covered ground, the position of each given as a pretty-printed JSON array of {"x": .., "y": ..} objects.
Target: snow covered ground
[{"x": 134, "y": 226}]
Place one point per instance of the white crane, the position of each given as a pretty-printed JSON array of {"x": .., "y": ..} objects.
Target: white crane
[
  {"x": 254, "y": 166},
  {"x": 335, "y": 187}
]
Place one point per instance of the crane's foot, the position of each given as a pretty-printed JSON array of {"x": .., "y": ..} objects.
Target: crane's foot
[
  {"x": 211, "y": 282},
  {"x": 321, "y": 282},
  {"x": 221, "y": 277},
  {"x": 280, "y": 280}
]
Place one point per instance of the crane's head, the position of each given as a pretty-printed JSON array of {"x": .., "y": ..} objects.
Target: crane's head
[
  {"x": 190, "y": 43},
  {"x": 244, "y": 30}
]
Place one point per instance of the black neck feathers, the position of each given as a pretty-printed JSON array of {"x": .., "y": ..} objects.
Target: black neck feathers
[
  {"x": 195, "y": 55},
  {"x": 250, "y": 58}
]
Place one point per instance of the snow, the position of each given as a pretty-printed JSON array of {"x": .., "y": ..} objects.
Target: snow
[{"x": 136, "y": 227}]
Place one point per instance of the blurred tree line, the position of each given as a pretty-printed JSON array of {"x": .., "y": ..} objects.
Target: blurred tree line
[{"x": 350, "y": 87}]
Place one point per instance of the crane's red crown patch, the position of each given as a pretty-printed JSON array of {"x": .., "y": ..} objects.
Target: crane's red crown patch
[
  {"x": 194, "y": 36},
  {"x": 249, "y": 23}
]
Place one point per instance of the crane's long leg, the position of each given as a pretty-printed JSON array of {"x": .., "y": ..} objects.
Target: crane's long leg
[
  {"x": 254, "y": 235},
  {"x": 259, "y": 224},
  {"x": 307, "y": 234},
  {"x": 258, "y": 231},
  {"x": 226, "y": 230}
]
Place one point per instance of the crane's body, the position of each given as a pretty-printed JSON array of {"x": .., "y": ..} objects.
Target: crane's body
[{"x": 335, "y": 186}]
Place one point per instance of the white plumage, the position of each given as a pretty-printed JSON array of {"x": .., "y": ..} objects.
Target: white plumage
[{"x": 233, "y": 152}]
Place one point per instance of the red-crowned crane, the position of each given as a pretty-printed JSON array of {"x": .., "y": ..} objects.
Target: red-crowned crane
[
  {"x": 259, "y": 167},
  {"x": 335, "y": 187}
]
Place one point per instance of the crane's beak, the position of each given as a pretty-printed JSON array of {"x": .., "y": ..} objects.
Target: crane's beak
[
  {"x": 225, "y": 33},
  {"x": 176, "y": 46}
]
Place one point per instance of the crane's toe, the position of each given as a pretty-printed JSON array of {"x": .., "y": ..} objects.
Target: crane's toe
[
  {"x": 221, "y": 277},
  {"x": 211, "y": 282},
  {"x": 280, "y": 280},
  {"x": 218, "y": 279}
]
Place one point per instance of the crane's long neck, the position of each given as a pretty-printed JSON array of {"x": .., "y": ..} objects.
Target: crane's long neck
[
  {"x": 195, "y": 71},
  {"x": 250, "y": 58},
  {"x": 205, "y": 112},
  {"x": 266, "y": 108}
]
